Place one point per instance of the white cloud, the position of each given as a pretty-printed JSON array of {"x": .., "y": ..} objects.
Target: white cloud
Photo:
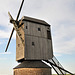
[
  {"x": 5, "y": 53},
  {"x": 5, "y": 26},
  {"x": 64, "y": 38},
  {"x": 5, "y": 74},
  {"x": 53, "y": 10},
  {"x": 57, "y": 54},
  {"x": 3, "y": 58},
  {"x": 6, "y": 34},
  {"x": 9, "y": 5},
  {"x": 0, "y": 42}
]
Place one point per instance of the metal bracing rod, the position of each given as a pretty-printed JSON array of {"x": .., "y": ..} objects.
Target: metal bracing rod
[
  {"x": 13, "y": 27},
  {"x": 58, "y": 67}
]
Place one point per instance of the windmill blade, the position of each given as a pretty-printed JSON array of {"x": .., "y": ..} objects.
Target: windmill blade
[
  {"x": 13, "y": 28},
  {"x": 20, "y": 10},
  {"x": 10, "y": 16},
  {"x": 9, "y": 40}
]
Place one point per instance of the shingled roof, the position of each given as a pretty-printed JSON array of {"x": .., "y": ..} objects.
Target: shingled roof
[
  {"x": 25, "y": 18},
  {"x": 32, "y": 64}
]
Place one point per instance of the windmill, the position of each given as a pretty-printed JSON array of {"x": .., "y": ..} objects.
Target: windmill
[
  {"x": 14, "y": 21},
  {"x": 34, "y": 47}
]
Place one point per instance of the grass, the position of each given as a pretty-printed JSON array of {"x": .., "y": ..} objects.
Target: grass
[{"x": 61, "y": 74}]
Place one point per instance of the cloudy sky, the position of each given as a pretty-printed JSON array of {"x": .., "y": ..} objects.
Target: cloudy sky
[{"x": 60, "y": 14}]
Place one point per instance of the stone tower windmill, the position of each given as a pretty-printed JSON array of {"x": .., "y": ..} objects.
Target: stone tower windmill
[{"x": 33, "y": 47}]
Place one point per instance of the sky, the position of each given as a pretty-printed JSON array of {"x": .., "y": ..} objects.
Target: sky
[{"x": 60, "y": 14}]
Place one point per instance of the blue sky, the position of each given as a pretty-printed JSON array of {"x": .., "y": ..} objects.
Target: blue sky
[{"x": 60, "y": 14}]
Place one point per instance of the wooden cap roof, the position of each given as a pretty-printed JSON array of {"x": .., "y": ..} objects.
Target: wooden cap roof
[
  {"x": 25, "y": 18},
  {"x": 32, "y": 64}
]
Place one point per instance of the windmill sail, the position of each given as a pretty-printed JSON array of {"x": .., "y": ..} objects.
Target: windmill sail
[{"x": 13, "y": 28}]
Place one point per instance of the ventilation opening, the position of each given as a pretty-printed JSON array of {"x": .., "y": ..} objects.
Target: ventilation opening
[
  {"x": 39, "y": 29},
  {"x": 33, "y": 44},
  {"x": 18, "y": 45},
  {"x": 48, "y": 35},
  {"x": 26, "y": 27}
]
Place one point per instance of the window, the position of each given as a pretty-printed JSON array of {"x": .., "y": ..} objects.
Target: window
[
  {"x": 18, "y": 45},
  {"x": 33, "y": 44},
  {"x": 48, "y": 35},
  {"x": 26, "y": 27},
  {"x": 39, "y": 29}
]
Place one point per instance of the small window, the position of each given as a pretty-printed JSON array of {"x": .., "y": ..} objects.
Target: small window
[
  {"x": 18, "y": 45},
  {"x": 33, "y": 44},
  {"x": 39, "y": 29},
  {"x": 48, "y": 35},
  {"x": 26, "y": 27}
]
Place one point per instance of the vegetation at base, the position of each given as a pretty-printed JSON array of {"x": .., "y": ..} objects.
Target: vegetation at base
[{"x": 61, "y": 74}]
